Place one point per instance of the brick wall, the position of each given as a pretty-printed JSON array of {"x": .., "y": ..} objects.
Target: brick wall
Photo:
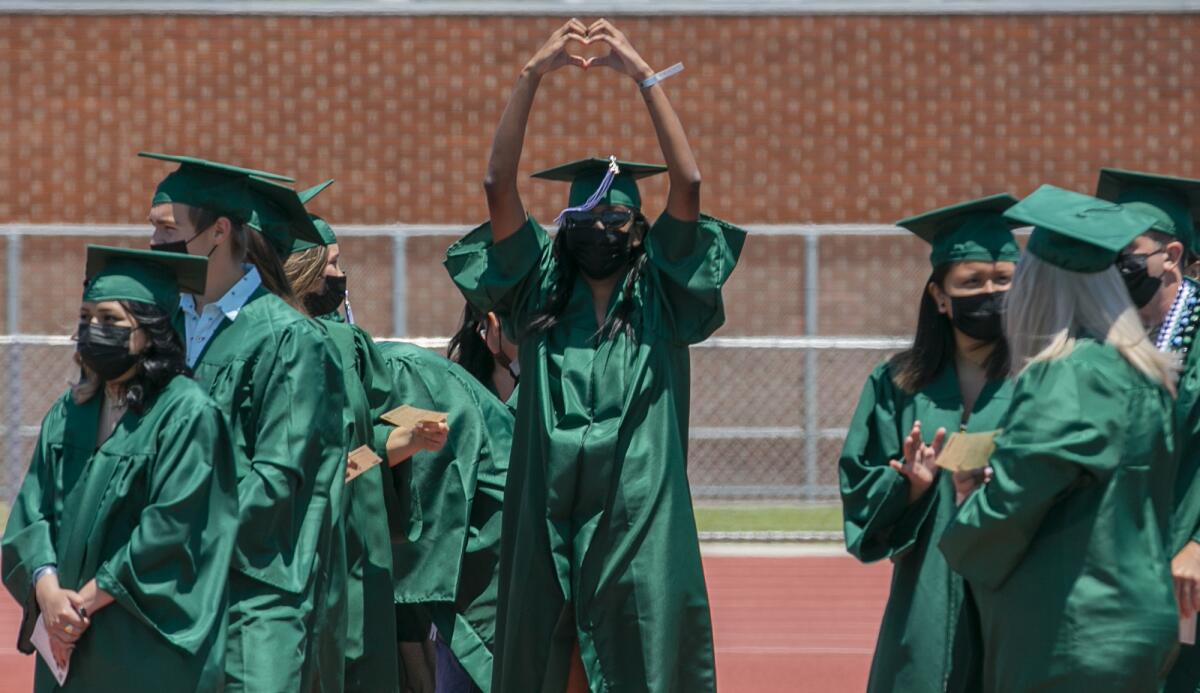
[{"x": 795, "y": 119}]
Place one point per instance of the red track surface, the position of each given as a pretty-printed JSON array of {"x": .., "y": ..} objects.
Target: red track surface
[{"x": 794, "y": 625}]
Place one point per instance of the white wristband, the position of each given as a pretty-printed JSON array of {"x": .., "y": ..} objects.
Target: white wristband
[{"x": 660, "y": 76}]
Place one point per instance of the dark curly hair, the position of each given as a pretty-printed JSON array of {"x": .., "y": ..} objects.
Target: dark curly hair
[
  {"x": 566, "y": 273},
  {"x": 161, "y": 360}
]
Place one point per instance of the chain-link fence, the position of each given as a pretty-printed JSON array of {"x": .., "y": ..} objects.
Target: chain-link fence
[{"x": 768, "y": 413}]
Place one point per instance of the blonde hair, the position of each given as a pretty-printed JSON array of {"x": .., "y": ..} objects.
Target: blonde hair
[
  {"x": 1048, "y": 307},
  {"x": 305, "y": 271}
]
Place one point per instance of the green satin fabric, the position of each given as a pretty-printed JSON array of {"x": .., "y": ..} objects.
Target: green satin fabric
[
  {"x": 1067, "y": 548},
  {"x": 1185, "y": 675},
  {"x": 925, "y": 640},
  {"x": 152, "y": 516},
  {"x": 276, "y": 377},
  {"x": 599, "y": 541},
  {"x": 450, "y": 566},
  {"x": 368, "y": 517}
]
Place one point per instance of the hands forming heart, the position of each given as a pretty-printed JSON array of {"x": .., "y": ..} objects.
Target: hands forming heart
[{"x": 569, "y": 44}]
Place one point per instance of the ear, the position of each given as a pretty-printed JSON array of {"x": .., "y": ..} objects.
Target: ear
[
  {"x": 221, "y": 230},
  {"x": 1174, "y": 260},
  {"x": 492, "y": 336},
  {"x": 939, "y": 298}
]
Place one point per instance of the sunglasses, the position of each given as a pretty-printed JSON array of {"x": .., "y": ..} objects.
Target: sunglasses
[{"x": 612, "y": 220}]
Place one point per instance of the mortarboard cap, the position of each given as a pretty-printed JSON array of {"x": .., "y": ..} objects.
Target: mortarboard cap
[
  {"x": 973, "y": 230},
  {"x": 1173, "y": 202},
  {"x": 1077, "y": 232},
  {"x": 147, "y": 276}
]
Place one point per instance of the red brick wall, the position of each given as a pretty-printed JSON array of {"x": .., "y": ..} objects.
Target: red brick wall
[{"x": 795, "y": 119}]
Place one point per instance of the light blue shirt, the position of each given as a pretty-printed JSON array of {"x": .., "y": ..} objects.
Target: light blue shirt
[{"x": 200, "y": 327}]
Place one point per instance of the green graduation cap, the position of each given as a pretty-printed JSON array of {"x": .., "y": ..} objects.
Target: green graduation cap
[
  {"x": 1173, "y": 202},
  {"x": 209, "y": 184},
  {"x": 973, "y": 230},
  {"x": 597, "y": 181},
  {"x": 1077, "y": 232},
  {"x": 147, "y": 276},
  {"x": 323, "y": 228},
  {"x": 281, "y": 217}
]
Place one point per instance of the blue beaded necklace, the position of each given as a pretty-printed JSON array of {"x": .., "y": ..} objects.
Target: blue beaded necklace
[{"x": 1178, "y": 330}]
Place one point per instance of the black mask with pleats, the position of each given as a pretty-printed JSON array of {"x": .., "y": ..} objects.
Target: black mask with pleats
[
  {"x": 105, "y": 349},
  {"x": 979, "y": 316}
]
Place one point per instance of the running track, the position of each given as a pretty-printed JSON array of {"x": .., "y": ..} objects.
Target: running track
[{"x": 783, "y": 624}]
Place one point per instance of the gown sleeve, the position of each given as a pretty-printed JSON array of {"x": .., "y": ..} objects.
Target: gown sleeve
[
  {"x": 171, "y": 575},
  {"x": 692, "y": 260},
  {"x": 296, "y": 439},
  {"x": 377, "y": 383},
  {"x": 508, "y": 277},
  {"x": 878, "y": 520},
  {"x": 29, "y": 536},
  {"x": 1051, "y": 441}
]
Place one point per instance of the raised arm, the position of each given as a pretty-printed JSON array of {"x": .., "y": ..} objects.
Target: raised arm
[
  {"x": 683, "y": 199},
  {"x": 504, "y": 200}
]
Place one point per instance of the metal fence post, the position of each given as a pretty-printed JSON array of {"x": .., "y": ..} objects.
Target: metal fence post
[
  {"x": 13, "y": 465},
  {"x": 812, "y": 449},
  {"x": 399, "y": 284}
]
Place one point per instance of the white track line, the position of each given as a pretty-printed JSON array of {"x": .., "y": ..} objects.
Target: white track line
[{"x": 746, "y": 549}]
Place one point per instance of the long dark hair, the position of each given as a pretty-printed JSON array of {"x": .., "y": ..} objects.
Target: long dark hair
[
  {"x": 566, "y": 274},
  {"x": 933, "y": 346},
  {"x": 161, "y": 360},
  {"x": 468, "y": 349}
]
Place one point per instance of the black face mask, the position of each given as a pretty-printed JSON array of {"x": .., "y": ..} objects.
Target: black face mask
[
  {"x": 180, "y": 247},
  {"x": 1136, "y": 276},
  {"x": 105, "y": 349},
  {"x": 329, "y": 300},
  {"x": 600, "y": 253},
  {"x": 979, "y": 316}
]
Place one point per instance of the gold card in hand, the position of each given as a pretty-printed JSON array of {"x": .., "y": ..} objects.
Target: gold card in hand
[
  {"x": 405, "y": 416},
  {"x": 359, "y": 461},
  {"x": 967, "y": 451}
]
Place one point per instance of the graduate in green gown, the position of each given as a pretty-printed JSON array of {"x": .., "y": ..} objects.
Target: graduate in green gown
[
  {"x": 372, "y": 511},
  {"x": 1066, "y": 548},
  {"x": 121, "y": 536},
  {"x": 466, "y": 634},
  {"x": 274, "y": 374},
  {"x": 445, "y": 573},
  {"x": 1169, "y": 304},
  {"x": 954, "y": 377},
  {"x": 599, "y": 552}
]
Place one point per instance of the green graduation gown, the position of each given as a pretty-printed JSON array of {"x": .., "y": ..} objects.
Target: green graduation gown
[
  {"x": 599, "y": 541},
  {"x": 920, "y": 644},
  {"x": 275, "y": 376},
  {"x": 449, "y": 567},
  {"x": 1185, "y": 675},
  {"x": 370, "y": 511},
  {"x": 1067, "y": 548},
  {"x": 151, "y": 515}
]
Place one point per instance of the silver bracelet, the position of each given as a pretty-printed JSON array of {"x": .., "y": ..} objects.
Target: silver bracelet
[
  {"x": 660, "y": 76},
  {"x": 44, "y": 570}
]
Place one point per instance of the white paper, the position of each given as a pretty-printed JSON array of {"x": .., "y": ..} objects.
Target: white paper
[
  {"x": 1187, "y": 630},
  {"x": 41, "y": 640}
]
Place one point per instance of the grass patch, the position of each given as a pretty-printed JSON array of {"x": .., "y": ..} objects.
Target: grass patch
[{"x": 797, "y": 517}]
